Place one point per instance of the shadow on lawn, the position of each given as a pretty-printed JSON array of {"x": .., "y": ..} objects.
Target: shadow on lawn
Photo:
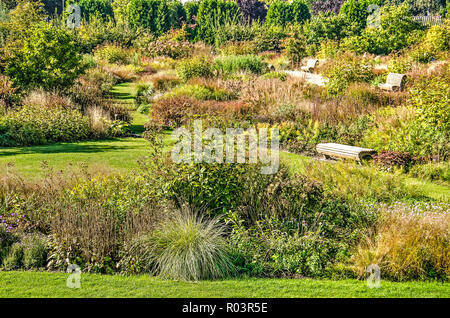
[{"x": 61, "y": 148}]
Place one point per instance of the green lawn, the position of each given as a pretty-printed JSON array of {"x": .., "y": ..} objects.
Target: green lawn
[
  {"x": 117, "y": 155},
  {"x": 45, "y": 284}
]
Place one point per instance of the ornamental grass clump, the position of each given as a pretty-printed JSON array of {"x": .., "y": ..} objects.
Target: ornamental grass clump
[
  {"x": 187, "y": 247},
  {"x": 411, "y": 241}
]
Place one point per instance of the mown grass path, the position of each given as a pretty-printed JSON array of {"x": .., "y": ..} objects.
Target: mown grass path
[{"x": 45, "y": 284}]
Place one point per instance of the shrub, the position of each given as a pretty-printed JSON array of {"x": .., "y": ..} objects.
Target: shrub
[
  {"x": 94, "y": 218},
  {"x": 355, "y": 12},
  {"x": 328, "y": 27},
  {"x": 165, "y": 81},
  {"x": 347, "y": 69},
  {"x": 232, "y": 32},
  {"x": 187, "y": 247},
  {"x": 396, "y": 25},
  {"x": 14, "y": 259},
  {"x": 6, "y": 240},
  {"x": 411, "y": 242},
  {"x": 169, "y": 48},
  {"x": 31, "y": 125},
  {"x": 198, "y": 66},
  {"x": 439, "y": 172},
  {"x": 354, "y": 183},
  {"x": 238, "y": 63},
  {"x": 35, "y": 251},
  {"x": 200, "y": 92},
  {"x": 112, "y": 54},
  {"x": 269, "y": 38},
  {"x": 7, "y": 92},
  {"x": 391, "y": 159},
  {"x": 294, "y": 46},
  {"x": 46, "y": 57}
]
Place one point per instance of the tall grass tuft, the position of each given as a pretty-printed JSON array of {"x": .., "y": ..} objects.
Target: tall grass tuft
[
  {"x": 410, "y": 242},
  {"x": 187, "y": 247}
]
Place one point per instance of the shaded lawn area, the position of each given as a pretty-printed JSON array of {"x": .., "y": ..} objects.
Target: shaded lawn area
[
  {"x": 119, "y": 155},
  {"x": 45, "y": 284}
]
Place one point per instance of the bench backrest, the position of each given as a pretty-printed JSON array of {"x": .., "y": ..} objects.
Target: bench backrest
[
  {"x": 312, "y": 63},
  {"x": 395, "y": 79}
]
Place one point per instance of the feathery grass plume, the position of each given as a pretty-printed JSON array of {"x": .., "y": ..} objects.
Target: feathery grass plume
[{"x": 187, "y": 247}]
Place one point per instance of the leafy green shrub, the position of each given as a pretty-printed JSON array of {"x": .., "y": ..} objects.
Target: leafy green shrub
[
  {"x": 347, "y": 69},
  {"x": 198, "y": 66},
  {"x": 239, "y": 63},
  {"x": 112, "y": 54},
  {"x": 6, "y": 240},
  {"x": 294, "y": 46},
  {"x": 234, "y": 32},
  {"x": 35, "y": 251},
  {"x": 431, "y": 99},
  {"x": 439, "y": 172},
  {"x": 165, "y": 81},
  {"x": 355, "y": 12},
  {"x": 32, "y": 125},
  {"x": 435, "y": 43},
  {"x": 187, "y": 247},
  {"x": 396, "y": 26},
  {"x": 118, "y": 206},
  {"x": 325, "y": 27},
  {"x": 169, "y": 48},
  {"x": 46, "y": 56},
  {"x": 269, "y": 38},
  {"x": 201, "y": 92}
]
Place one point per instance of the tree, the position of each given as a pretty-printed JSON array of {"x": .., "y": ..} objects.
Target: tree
[
  {"x": 327, "y": 6},
  {"x": 252, "y": 10},
  {"x": 212, "y": 13},
  {"x": 45, "y": 56},
  {"x": 355, "y": 12},
  {"x": 102, "y": 8},
  {"x": 282, "y": 13},
  {"x": 177, "y": 14},
  {"x": 191, "y": 9},
  {"x": 162, "y": 23},
  {"x": 300, "y": 11},
  {"x": 279, "y": 13},
  {"x": 142, "y": 13}
]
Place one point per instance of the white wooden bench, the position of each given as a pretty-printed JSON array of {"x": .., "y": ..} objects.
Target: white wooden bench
[
  {"x": 310, "y": 65},
  {"x": 394, "y": 82},
  {"x": 344, "y": 151}
]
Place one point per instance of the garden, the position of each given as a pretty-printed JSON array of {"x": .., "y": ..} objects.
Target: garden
[{"x": 90, "y": 94}]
